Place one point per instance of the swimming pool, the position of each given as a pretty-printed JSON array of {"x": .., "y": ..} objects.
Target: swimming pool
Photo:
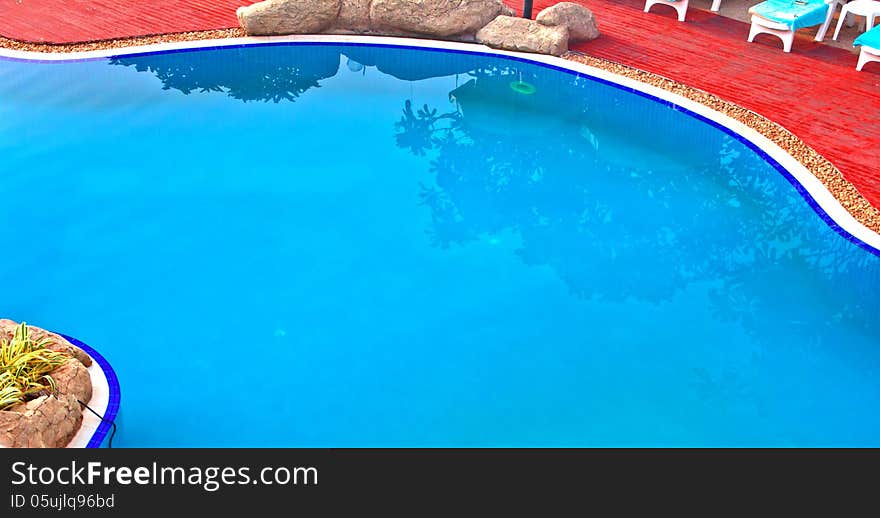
[{"x": 357, "y": 245}]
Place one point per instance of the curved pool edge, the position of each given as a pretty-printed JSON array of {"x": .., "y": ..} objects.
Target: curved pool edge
[
  {"x": 814, "y": 191},
  {"x": 109, "y": 411}
]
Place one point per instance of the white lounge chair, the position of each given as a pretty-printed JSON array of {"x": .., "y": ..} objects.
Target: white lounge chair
[
  {"x": 870, "y": 9},
  {"x": 870, "y": 43},
  {"x": 782, "y": 18},
  {"x": 681, "y": 6}
]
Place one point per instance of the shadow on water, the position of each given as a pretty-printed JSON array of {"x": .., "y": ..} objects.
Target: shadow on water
[{"x": 624, "y": 201}]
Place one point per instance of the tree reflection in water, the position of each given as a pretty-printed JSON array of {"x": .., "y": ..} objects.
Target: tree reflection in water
[
  {"x": 615, "y": 227},
  {"x": 246, "y": 74}
]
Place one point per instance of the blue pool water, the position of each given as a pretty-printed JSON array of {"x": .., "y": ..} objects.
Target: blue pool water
[{"x": 365, "y": 246}]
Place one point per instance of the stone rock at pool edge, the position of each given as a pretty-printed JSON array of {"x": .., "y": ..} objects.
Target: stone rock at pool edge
[
  {"x": 73, "y": 378},
  {"x": 273, "y": 17},
  {"x": 45, "y": 422},
  {"x": 441, "y": 18},
  {"x": 524, "y": 35},
  {"x": 354, "y": 16},
  {"x": 579, "y": 20}
]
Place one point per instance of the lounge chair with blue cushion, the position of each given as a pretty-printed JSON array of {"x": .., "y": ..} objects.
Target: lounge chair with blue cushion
[
  {"x": 782, "y": 18},
  {"x": 870, "y": 43}
]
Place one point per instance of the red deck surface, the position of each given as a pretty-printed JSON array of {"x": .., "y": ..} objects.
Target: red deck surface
[
  {"x": 73, "y": 21},
  {"x": 815, "y": 91}
]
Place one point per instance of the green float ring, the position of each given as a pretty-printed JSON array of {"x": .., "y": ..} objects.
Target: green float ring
[{"x": 521, "y": 87}]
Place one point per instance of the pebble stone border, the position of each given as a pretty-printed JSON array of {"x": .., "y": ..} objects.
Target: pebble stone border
[{"x": 844, "y": 191}]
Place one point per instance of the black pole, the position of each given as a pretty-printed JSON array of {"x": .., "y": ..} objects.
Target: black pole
[{"x": 527, "y": 9}]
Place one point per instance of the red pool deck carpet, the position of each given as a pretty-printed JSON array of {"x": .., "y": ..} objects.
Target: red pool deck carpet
[{"x": 814, "y": 91}]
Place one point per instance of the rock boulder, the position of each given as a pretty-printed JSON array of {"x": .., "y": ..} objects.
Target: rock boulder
[
  {"x": 460, "y": 20},
  {"x": 579, "y": 20},
  {"x": 524, "y": 35},
  {"x": 439, "y": 18},
  {"x": 45, "y": 422},
  {"x": 354, "y": 16},
  {"x": 72, "y": 378},
  {"x": 272, "y": 17}
]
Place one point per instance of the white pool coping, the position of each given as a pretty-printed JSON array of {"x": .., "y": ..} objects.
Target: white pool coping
[{"x": 816, "y": 189}]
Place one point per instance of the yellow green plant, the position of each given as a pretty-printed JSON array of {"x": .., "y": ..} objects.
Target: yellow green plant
[{"x": 25, "y": 365}]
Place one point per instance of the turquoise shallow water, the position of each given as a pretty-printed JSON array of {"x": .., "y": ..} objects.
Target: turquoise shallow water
[{"x": 363, "y": 246}]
